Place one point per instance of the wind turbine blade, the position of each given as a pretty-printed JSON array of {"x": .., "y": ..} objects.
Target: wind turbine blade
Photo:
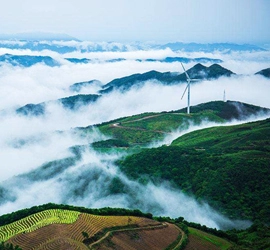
[
  {"x": 184, "y": 91},
  {"x": 185, "y": 71},
  {"x": 183, "y": 67}
]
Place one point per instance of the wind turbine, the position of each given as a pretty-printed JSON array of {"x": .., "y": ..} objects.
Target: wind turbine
[{"x": 189, "y": 80}]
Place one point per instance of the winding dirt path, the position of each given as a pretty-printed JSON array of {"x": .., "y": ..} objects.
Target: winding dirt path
[
  {"x": 143, "y": 118},
  {"x": 163, "y": 225},
  {"x": 117, "y": 125},
  {"x": 182, "y": 238},
  {"x": 127, "y": 229}
]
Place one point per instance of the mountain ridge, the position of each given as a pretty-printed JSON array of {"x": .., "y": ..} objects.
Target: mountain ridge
[
  {"x": 210, "y": 47},
  {"x": 70, "y": 102},
  {"x": 29, "y": 42},
  {"x": 138, "y": 80},
  {"x": 198, "y": 71}
]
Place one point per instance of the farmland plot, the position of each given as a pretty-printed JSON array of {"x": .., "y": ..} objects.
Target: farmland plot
[{"x": 69, "y": 236}]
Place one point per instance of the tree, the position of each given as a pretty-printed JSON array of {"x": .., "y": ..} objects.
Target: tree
[
  {"x": 85, "y": 235},
  {"x": 8, "y": 246}
]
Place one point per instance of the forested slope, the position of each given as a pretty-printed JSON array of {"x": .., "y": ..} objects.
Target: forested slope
[{"x": 229, "y": 167}]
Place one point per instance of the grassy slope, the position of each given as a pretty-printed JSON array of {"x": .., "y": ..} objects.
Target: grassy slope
[
  {"x": 251, "y": 136},
  {"x": 227, "y": 166},
  {"x": 202, "y": 239},
  {"x": 144, "y": 128},
  {"x": 142, "y": 131}
]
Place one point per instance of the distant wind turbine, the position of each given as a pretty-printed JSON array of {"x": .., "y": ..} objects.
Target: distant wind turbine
[{"x": 189, "y": 80}]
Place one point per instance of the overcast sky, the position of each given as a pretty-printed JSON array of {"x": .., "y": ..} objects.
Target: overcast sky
[{"x": 241, "y": 21}]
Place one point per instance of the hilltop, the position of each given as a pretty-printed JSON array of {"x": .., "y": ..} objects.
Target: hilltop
[{"x": 145, "y": 128}]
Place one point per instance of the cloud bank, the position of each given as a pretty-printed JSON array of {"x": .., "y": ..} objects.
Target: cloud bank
[{"x": 38, "y": 161}]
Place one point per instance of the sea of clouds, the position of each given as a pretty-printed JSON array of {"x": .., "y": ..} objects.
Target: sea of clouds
[{"x": 27, "y": 144}]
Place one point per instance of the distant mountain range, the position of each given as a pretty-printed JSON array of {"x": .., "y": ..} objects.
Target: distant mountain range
[
  {"x": 71, "y": 102},
  {"x": 183, "y": 60},
  {"x": 210, "y": 47},
  {"x": 28, "y": 61},
  {"x": 65, "y": 44},
  {"x": 124, "y": 84}
]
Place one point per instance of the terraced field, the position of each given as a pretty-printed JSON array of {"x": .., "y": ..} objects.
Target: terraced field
[
  {"x": 69, "y": 236},
  {"x": 64, "y": 229},
  {"x": 38, "y": 220},
  {"x": 153, "y": 238}
]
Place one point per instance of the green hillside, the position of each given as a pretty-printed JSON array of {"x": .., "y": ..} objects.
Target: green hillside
[
  {"x": 228, "y": 110},
  {"x": 227, "y": 166},
  {"x": 148, "y": 127},
  {"x": 145, "y": 128},
  {"x": 249, "y": 136}
]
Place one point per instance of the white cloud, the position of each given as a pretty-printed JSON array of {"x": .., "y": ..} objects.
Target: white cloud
[
  {"x": 26, "y": 143},
  {"x": 88, "y": 183}
]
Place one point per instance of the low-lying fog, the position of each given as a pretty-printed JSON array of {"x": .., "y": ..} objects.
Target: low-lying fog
[{"x": 28, "y": 143}]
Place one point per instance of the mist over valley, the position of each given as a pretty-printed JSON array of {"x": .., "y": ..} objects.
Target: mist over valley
[{"x": 65, "y": 127}]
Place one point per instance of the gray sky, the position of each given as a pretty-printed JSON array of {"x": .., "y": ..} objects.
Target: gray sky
[{"x": 241, "y": 21}]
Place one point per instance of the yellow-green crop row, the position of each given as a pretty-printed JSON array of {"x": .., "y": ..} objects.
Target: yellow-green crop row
[{"x": 38, "y": 220}]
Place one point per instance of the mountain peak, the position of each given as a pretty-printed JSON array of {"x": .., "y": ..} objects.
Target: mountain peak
[{"x": 264, "y": 72}]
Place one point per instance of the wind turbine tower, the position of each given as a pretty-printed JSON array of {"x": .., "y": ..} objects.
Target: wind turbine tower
[{"x": 189, "y": 80}]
